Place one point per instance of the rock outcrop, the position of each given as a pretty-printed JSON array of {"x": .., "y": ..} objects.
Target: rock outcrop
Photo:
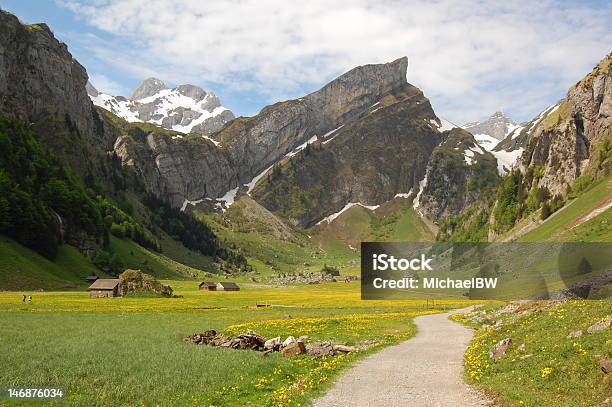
[
  {"x": 566, "y": 140},
  {"x": 39, "y": 78},
  {"x": 176, "y": 168}
]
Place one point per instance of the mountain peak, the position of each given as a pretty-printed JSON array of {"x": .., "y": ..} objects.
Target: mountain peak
[
  {"x": 148, "y": 87},
  {"x": 498, "y": 125}
]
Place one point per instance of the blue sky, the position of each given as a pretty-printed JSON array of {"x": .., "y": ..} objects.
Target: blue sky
[{"x": 470, "y": 57}]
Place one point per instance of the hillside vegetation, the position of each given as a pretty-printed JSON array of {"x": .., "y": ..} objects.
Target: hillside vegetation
[{"x": 547, "y": 361}]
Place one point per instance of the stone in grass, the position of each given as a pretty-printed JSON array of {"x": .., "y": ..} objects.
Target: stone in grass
[
  {"x": 293, "y": 349},
  {"x": 499, "y": 349},
  {"x": 601, "y": 325},
  {"x": 606, "y": 366},
  {"x": 344, "y": 348},
  {"x": 288, "y": 341},
  {"x": 273, "y": 343},
  {"x": 575, "y": 334},
  {"x": 320, "y": 349}
]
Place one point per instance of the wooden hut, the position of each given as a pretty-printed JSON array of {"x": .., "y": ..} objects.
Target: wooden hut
[
  {"x": 227, "y": 286},
  {"x": 105, "y": 287},
  {"x": 208, "y": 286}
]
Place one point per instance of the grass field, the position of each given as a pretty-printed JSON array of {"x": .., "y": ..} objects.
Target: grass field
[
  {"x": 129, "y": 351},
  {"x": 542, "y": 365}
]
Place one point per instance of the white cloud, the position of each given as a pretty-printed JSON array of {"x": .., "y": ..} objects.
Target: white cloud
[
  {"x": 469, "y": 57},
  {"x": 106, "y": 85}
]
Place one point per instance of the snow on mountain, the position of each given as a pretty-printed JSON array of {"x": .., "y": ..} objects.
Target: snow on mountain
[
  {"x": 485, "y": 141},
  {"x": 333, "y": 216},
  {"x": 185, "y": 108},
  {"x": 442, "y": 124},
  {"x": 506, "y": 159},
  {"x": 498, "y": 126}
]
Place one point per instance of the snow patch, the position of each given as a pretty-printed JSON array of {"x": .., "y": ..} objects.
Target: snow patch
[
  {"x": 188, "y": 202},
  {"x": 226, "y": 200},
  {"x": 330, "y": 218},
  {"x": 444, "y": 125},
  {"x": 506, "y": 159},
  {"x": 301, "y": 146},
  {"x": 417, "y": 199},
  {"x": 516, "y": 132},
  {"x": 255, "y": 180},
  {"x": 485, "y": 141},
  {"x": 404, "y": 194}
]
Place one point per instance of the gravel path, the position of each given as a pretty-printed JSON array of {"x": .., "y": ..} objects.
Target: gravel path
[{"x": 423, "y": 371}]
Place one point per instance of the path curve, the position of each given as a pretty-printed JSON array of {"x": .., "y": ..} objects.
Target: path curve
[{"x": 423, "y": 371}]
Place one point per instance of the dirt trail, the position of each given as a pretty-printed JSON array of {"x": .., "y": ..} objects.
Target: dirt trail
[{"x": 423, "y": 371}]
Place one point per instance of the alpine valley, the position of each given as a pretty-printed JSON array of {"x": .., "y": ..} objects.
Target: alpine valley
[{"x": 168, "y": 180}]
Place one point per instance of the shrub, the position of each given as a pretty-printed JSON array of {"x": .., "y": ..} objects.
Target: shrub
[{"x": 137, "y": 282}]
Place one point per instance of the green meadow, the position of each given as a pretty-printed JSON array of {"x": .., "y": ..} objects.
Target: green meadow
[{"x": 130, "y": 351}]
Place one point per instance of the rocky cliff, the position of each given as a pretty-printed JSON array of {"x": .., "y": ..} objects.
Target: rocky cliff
[
  {"x": 566, "y": 140},
  {"x": 256, "y": 143},
  {"x": 177, "y": 168},
  {"x": 43, "y": 86}
]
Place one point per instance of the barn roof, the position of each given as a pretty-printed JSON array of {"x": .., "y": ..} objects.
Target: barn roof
[
  {"x": 105, "y": 284},
  {"x": 208, "y": 283},
  {"x": 227, "y": 284}
]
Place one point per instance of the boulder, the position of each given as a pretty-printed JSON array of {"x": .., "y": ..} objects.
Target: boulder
[
  {"x": 288, "y": 341},
  {"x": 601, "y": 325},
  {"x": 344, "y": 348},
  {"x": 320, "y": 349},
  {"x": 499, "y": 349},
  {"x": 606, "y": 366},
  {"x": 273, "y": 344},
  {"x": 293, "y": 349}
]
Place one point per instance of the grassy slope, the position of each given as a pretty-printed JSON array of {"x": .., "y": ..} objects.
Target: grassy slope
[
  {"x": 552, "y": 370},
  {"x": 394, "y": 221},
  {"x": 558, "y": 227},
  {"x": 24, "y": 269},
  {"x": 21, "y": 267},
  {"x": 135, "y": 256},
  {"x": 272, "y": 246}
]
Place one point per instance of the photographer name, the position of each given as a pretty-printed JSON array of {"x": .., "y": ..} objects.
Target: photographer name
[{"x": 434, "y": 282}]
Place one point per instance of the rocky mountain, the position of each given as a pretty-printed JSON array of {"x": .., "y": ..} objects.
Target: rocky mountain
[
  {"x": 369, "y": 159},
  {"x": 498, "y": 126},
  {"x": 560, "y": 153},
  {"x": 246, "y": 148},
  {"x": 458, "y": 173},
  {"x": 185, "y": 108},
  {"x": 569, "y": 138},
  {"x": 572, "y": 138},
  {"x": 62, "y": 177},
  {"x": 363, "y": 139}
]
